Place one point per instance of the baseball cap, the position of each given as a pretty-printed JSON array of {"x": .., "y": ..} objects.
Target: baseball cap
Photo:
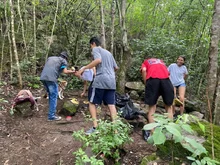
[{"x": 64, "y": 54}]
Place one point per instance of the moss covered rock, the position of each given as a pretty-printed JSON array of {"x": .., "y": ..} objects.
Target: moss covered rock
[
  {"x": 69, "y": 108},
  {"x": 149, "y": 158},
  {"x": 208, "y": 143}
]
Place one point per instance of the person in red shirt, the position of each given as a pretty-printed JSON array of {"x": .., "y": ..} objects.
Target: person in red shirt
[{"x": 156, "y": 79}]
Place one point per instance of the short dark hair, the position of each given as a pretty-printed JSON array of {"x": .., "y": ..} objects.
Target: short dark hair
[{"x": 96, "y": 40}]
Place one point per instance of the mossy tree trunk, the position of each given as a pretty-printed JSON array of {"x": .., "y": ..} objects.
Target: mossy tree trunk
[
  {"x": 212, "y": 79},
  {"x": 125, "y": 57},
  {"x": 14, "y": 44},
  {"x": 102, "y": 17}
]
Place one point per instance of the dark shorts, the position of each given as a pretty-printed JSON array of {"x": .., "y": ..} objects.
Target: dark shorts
[
  {"x": 156, "y": 87},
  {"x": 107, "y": 96},
  {"x": 90, "y": 91}
]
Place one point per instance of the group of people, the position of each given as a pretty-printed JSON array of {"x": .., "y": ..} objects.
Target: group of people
[
  {"x": 103, "y": 85},
  {"x": 158, "y": 80}
]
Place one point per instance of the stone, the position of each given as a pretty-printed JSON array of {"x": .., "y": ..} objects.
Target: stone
[
  {"x": 24, "y": 109},
  {"x": 134, "y": 95},
  {"x": 69, "y": 108},
  {"x": 138, "y": 86}
]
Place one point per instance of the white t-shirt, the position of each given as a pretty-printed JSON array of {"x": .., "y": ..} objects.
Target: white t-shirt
[
  {"x": 87, "y": 75},
  {"x": 177, "y": 74}
]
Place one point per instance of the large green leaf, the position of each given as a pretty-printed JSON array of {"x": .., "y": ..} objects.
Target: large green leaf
[
  {"x": 198, "y": 148},
  {"x": 187, "y": 128},
  {"x": 158, "y": 136},
  {"x": 150, "y": 126},
  {"x": 173, "y": 130}
]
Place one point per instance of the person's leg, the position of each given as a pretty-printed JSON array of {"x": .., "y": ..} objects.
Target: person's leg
[
  {"x": 94, "y": 98},
  {"x": 169, "y": 110},
  {"x": 109, "y": 99},
  {"x": 151, "y": 111},
  {"x": 92, "y": 110},
  {"x": 167, "y": 92},
  {"x": 151, "y": 96},
  {"x": 182, "y": 90},
  {"x": 173, "y": 106},
  {"x": 53, "y": 93}
]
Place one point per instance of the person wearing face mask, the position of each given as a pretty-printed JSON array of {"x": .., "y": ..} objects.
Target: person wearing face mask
[{"x": 178, "y": 74}]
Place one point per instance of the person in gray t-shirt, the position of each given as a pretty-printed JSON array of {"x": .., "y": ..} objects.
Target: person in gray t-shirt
[
  {"x": 104, "y": 84},
  {"x": 54, "y": 66}
]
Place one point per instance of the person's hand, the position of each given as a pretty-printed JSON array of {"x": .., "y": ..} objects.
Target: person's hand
[
  {"x": 82, "y": 94},
  {"x": 78, "y": 74}
]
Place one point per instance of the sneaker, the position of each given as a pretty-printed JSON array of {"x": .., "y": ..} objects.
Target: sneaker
[
  {"x": 55, "y": 118},
  {"x": 91, "y": 130},
  {"x": 146, "y": 134},
  {"x": 178, "y": 102}
]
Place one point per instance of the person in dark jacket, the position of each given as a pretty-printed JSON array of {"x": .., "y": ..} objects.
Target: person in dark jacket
[{"x": 54, "y": 66}]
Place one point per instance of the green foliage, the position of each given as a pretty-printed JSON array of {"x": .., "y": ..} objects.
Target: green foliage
[
  {"x": 165, "y": 129},
  {"x": 157, "y": 44},
  {"x": 207, "y": 134},
  {"x": 32, "y": 81},
  {"x": 110, "y": 139}
]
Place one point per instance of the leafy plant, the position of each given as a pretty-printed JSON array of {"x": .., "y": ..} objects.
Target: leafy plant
[
  {"x": 107, "y": 144},
  {"x": 165, "y": 129}
]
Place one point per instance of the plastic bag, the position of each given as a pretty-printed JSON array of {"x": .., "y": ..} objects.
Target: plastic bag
[
  {"x": 129, "y": 112},
  {"x": 121, "y": 100}
]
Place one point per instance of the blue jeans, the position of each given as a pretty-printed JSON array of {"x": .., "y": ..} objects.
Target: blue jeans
[{"x": 52, "y": 90}]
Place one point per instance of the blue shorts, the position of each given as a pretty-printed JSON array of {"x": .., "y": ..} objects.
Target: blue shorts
[
  {"x": 107, "y": 96},
  {"x": 181, "y": 85}
]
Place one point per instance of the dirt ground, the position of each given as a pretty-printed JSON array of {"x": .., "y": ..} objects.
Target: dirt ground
[{"x": 35, "y": 141}]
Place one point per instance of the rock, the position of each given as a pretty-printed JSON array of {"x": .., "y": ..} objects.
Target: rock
[
  {"x": 69, "y": 108},
  {"x": 24, "y": 109},
  {"x": 197, "y": 114},
  {"x": 138, "y": 86},
  {"x": 149, "y": 159},
  {"x": 134, "y": 95}
]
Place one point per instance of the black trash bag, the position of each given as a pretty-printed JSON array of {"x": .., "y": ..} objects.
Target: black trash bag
[
  {"x": 121, "y": 100},
  {"x": 129, "y": 111}
]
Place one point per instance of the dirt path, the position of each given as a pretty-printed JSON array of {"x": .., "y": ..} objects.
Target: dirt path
[{"x": 35, "y": 141}]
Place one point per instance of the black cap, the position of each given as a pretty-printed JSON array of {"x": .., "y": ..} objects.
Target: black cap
[{"x": 64, "y": 54}]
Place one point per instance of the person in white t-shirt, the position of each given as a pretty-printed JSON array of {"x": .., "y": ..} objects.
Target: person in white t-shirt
[
  {"x": 178, "y": 74},
  {"x": 88, "y": 76}
]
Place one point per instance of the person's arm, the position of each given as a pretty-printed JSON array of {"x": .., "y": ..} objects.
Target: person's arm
[
  {"x": 89, "y": 66},
  {"x": 66, "y": 71},
  {"x": 94, "y": 71},
  {"x": 84, "y": 88},
  {"x": 144, "y": 74}
]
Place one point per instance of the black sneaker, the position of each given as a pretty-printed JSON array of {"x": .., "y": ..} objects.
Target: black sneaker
[{"x": 145, "y": 134}]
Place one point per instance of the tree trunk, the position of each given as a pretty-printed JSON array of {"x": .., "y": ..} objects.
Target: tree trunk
[
  {"x": 217, "y": 105},
  {"x": 14, "y": 45},
  {"x": 113, "y": 25},
  {"x": 51, "y": 37},
  {"x": 126, "y": 55},
  {"x": 213, "y": 62},
  {"x": 35, "y": 38},
  {"x": 22, "y": 29},
  {"x": 102, "y": 25},
  {"x": 10, "y": 43}
]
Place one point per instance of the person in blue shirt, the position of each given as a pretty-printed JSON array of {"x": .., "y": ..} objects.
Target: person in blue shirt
[
  {"x": 54, "y": 66},
  {"x": 178, "y": 74}
]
